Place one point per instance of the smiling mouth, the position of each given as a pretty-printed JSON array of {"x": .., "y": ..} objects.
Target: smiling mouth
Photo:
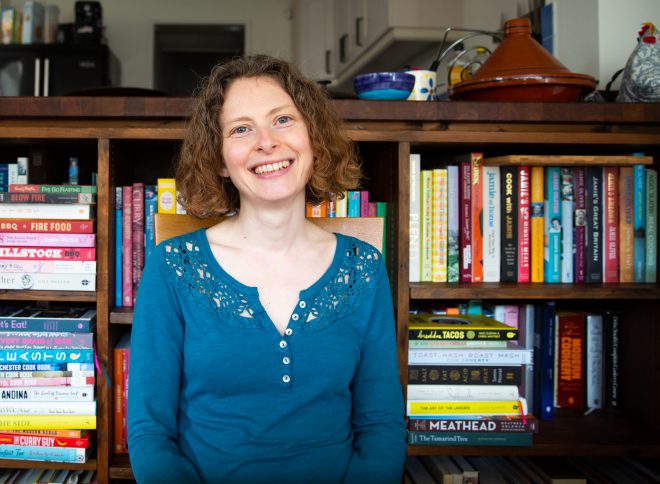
[{"x": 272, "y": 167}]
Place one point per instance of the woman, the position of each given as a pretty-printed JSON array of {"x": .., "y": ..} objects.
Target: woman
[{"x": 263, "y": 348}]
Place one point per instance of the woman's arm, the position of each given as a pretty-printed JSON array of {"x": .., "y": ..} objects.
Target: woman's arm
[
  {"x": 154, "y": 380},
  {"x": 379, "y": 435}
]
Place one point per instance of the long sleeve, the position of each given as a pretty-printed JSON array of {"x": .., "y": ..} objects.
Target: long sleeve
[
  {"x": 155, "y": 378},
  {"x": 377, "y": 419}
]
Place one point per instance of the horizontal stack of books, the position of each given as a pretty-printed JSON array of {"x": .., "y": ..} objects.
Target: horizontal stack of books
[{"x": 47, "y": 404}]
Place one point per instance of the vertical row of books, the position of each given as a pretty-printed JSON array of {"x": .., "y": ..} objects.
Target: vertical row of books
[
  {"x": 35, "y": 23},
  {"x": 506, "y": 220}
]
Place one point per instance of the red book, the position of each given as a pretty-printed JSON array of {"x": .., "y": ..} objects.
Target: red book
[
  {"x": 48, "y": 253},
  {"x": 465, "y": 221},
  {"x": 364, "y": 203},
  {"x": 41, "y": 226},
  {"x": 9, "y": 438},
  {"x": 570, "y": 360},
  {"x": 138, "y": 235},
  {"x": 524, "y": 225},
  {"x": 477, "y": 216},
  {"x": 611, "y": 224},
  {"x": 580, "y": 231},
  {"x": 127, "y": 247}
]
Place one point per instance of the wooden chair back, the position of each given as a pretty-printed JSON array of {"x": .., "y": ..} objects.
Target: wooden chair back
[{"x": 368, "y": 229}]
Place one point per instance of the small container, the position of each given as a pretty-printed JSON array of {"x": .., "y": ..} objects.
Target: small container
[{"x": 73, "y": 171}]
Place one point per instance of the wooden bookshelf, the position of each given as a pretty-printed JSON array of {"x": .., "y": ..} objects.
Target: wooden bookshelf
[{"x": 136, "y": 139}]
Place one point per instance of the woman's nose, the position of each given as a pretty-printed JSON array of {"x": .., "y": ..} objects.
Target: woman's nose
[{"x": 266, "y": 140}]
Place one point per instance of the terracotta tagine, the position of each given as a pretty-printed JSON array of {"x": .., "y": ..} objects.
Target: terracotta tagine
[{"x": 520, "y": 69}]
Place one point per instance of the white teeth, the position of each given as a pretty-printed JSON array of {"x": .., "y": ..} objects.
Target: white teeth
[{"x": 272, "y": 167}]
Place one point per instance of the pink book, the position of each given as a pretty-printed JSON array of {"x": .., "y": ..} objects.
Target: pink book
[
  {"x": 48, "y": 253},
  {"x": 138, "y": 234},
  {"x": 77, "y": 381},
  {"x": 48, "y": 240},
  {"x": 364, "y": 203},
  {"x": 524, "y": 225},
  {"x": 372, "y": 209},
  {"x": 580, "y": 231},
  {"x": 127, "y": 247},
  {"x": 611, "y": 224},
  {"x": 465, "y": 222}
]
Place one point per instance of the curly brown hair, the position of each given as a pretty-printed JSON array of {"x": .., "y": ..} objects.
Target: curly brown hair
[{"x": 205, "y": 193}]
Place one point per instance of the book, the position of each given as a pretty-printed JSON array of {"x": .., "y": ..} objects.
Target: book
[
  {"x": 570, "y": 344},
  {"x": 50, "y": 226},
  {"x": 639, "y": 223},
  {"x": 552, "y": 222},
  {"x": 491, "y": 226},
  {"x": 76, "y": 381},
  {"x": 567, "y": 210},
  {"x": 59, "y": 198},
  {"x": 465, "y": 221},
  {"x": 476, "y": 216},
  {"x": 538, "y": 224},
  {"x": 137, "y": 235},
  {"x": 364, "y": 203},
  {"x": 593, "y": 372},
  {"x": 462, "y": 392},
  {"x": 610, "y": 224},
  {"x": 594, "y": 221},
  {"x": 38, "y": 340},
  {"x": 47, "y": 253},
  {"x": 342, "y": 205},
  {"x": 509, "y": 220},
  {"x": 47, "y": 240},
  {"x": 426, "y": 232},
  {"x": 439, "y": 226},
  {"x": 50, "y": 266},
  {"x": 465, "y": 375},
  {"x": 127, "y": 244},
  {"x": 626, "y": 228},
  {"x": 119, "y": 242},
  {"x": 150, "y": 210},
  {"x": 48, "y": 454},
  {"x": 459, "y": 326},
  {"x": 580, "y": 225},
  {"x": 470, "y": 356},
  {"x": 70, "y": 211},
  {"x": 41, "y": 281},
  {"x": 56, "y": 189},
  {"x": 120, "y": 358},
  {"x": 78, "y": 355},
  {"x": 414, "y": 222},
  {"x": 522, "y": 439},
  {"x": 353, "y": 205},
  {"x": 651, "y": 240},
  {"x": 48, "y": 367},
  {"x": 456, "y": 407},
  {"x": 48, "y": 408},
  {"x": 43, "y": 440},
  {"x": 478, "y": 423},
  {"x": 453, "y": 226},
  {"x": 544, "y": 361},
  {"x": 612, "y": 358},
  {"x": 524, "y": 224},
  {"x": 47, "y": 393},
  {"x": 166, "y": 188},
  {"x": 443, "y": 343},
  {"x": 32, "y": 318}
]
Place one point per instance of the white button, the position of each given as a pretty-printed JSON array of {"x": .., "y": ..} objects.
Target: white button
[
  {"x": 282, "y": 344},
  {"x": 295, "y": 317},
  {"x": 288, "y": 331},
  {"x": 302, "y": 304},
  {"x": 286, "y": 360},
  {"x": 286, "y": 378}
]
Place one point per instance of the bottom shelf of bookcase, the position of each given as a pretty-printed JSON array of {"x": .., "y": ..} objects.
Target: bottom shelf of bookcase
[
  {"x": 90, "y": 465},
  {"x": 66, "y": 296},
  {"x": 120, "y": 467}
]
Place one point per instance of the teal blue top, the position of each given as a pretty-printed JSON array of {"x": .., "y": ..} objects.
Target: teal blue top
[{"x": 216, "y": 394}]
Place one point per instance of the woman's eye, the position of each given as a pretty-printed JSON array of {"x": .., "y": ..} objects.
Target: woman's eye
[
  {"x": 283, "y": 120},
  {"x": 239, "y": 130}
]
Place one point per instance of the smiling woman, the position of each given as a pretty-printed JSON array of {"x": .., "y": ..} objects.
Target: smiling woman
[{"x": 263, "y": 347}]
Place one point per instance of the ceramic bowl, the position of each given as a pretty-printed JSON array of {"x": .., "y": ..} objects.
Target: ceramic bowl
[{"x": 384, "y": 85}]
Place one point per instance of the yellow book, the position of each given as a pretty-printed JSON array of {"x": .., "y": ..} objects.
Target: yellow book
[
  {"x": 426, "y": 259},
  {"x": 537, "y": 224},
  {"x": 483, "y": 408},
  {"x": 166, "y": 195},
  {"x": 47, "y": 422},
  {"x": 342, "y": 205},
  {"x": 626, "y": 231},
  {"x": 439, "y": 270}
]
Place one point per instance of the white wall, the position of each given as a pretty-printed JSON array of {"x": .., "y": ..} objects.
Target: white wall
[{"x": 129, "y": 27}]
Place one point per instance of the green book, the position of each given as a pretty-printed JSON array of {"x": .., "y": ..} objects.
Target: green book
[{"x": 519, "y": 439}]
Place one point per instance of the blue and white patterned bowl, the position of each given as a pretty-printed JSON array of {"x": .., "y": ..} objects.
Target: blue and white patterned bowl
[{"x": 384, "y": 85}]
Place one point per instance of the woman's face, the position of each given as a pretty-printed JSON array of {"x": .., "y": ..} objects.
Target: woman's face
[{"x": 266, "y": 147}]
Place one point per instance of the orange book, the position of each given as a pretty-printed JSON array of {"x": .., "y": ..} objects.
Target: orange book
[
  {"x": 538, "y": 228},
  {"x": 316, "y": 211},
  {"x": 118, "y": 397},
  {"x": 626, "y": 230},
  {"x": 610, "y": 224},
  {"x": 477, "y": 216}
]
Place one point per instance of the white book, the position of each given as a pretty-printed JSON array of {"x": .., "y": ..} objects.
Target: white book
[
  {"x": 51, "y": 266},
  {"x": 463, "y": 392},
  {"x": 567, "y": 204},
  {"x": 45, "y": 281},
  {"x": 439, "y": 226},
  {"x": 471, "y": 356},
  {"x": 33, "y": 23},
  {"x": 526, "y": 341},
  {"x": 491, "y": 223},
  {"x": 12, "y": 174},
  {"x": 342, "y": 205},
  {"x": 594, "y": 361},
  {"x": 57, "y": 211},
  {"x": 22, "y": 166},
  {"x": 48, "y": 408},
  {"x": 48, "y": 394},
  {"x": 414, "y": 225},
  {"x": 453, "y": 242}
]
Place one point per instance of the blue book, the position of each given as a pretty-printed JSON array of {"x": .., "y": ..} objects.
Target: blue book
[
  {"x": 544, "y": 361},
  {"x": 118, "y": 245},
  {"x": 567, "y": 210},
  {"x": 353, "y": 203},
  {"x": 4, "y": 177},
  {"x": 47, "y": 356},
  {"x": 150, "y": 209},
  {"x": 39, "y": 453},
  {"x": 47, "y": 367},
  {"x": 639, "y": 223},
  {"x": 651, "y": 225},
  {"x": 32, "y": 318},
  {"x": 552, "y": 218}
]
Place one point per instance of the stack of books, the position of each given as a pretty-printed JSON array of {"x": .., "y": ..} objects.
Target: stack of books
[
  {"x": 47, "y": 404},
  {"x": 54, "y": 476},
  {"x": 47, "y": 239},
  {"x": 464, "y": 382}
]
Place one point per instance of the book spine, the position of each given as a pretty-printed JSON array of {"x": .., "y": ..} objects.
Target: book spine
[
  {"x": 332, "y": 207},
  {"x": 47, "y": 394},
  {"x": 612, "y": 358},
  {"x": 610, "y": 224},
  {"x": 594, "y": 265},
  {"x": 639, "y": 222},
  {"x": 381, "y": 211},
  {"x": 462, "y": 392},
  {"x": 47, "y": 240},
  {"x": 537, "y": 239},
  {"x": 464, "y": 375},
  {"x": 626, "y": 225},
  {"x": 580, "y": 231},
  {"x": 61, "y": 408},
  {"x": 453, "y": 206},
  {"x": 32, "y": 367},
  {"x": 435, "y": 343},
  {"x": 17, "y": 375},
  {"x": 127, "y": 245},
  {"x": 465, "y": 221},
  {"x": 48, "y": 253},
  {"x": 414, "y": 222},
  {"x": 491, "y": 224},
  {"x": 594, "y": 361},
  {"x": 342, "y": 205},
  {"x": 80, "y": 355},
  {"x": 353, "y": 203},
  {"x": 509, "y": 219},
  {"x": 439, "y": 226},
  {"x": 72, "y": 211},
  {"x": 477, "y": 217},
  {"x": 43, "y": 441},
  {"x": 137, "y": 236},
  {"x": 63, "y": 198},
  {"x": 118, "y": 408},
  {"x": 12, "y": 174},
  {"x": 651, "y": 248},
  {"x": 470, "y": 438},
  {"x": 426, "y": 200},
  {"x": 150, "y": 209},
  {"x": 49, "y": 266},
  {"x": 40, "y": 226},
  {"x": 58, "y": 189},
  {"x": 416, "y": 333},
  {"x": 570, "y": 360},
  {"x": 166, "y": 188},
  {"x": 45, "y": 324},
  {"x": 118, "y": 245},
  {"x": 482, "y": 408},
  {"x": 544, "y": 347},
  {"x": 567, "y": 210},
  {"x": 73, "y": 434},
  {"x": 50, "y": 454},
  {"x": 485, "y": 424},
  {"x": 552, "y": 222},
  {"x": 45, "y": 339},
  {"x": 126, "y": 363},
  {"x": 364, "y": 203},
  {"x": 471, "y": 356},
  {"x": 48, "y": 282},
  {"x": 47, "y": 381},
  {"x": 524, "y": 225}
]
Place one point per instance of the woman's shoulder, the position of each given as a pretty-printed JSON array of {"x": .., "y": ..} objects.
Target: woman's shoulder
[{"x": 357, "y": 250}]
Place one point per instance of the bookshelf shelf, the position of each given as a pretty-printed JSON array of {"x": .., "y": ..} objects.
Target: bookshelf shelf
[
  {"x": 66, "y": 296},
  {"x": 120, "y": 467},
  {"x": 91, "y": 464},
  {"x": 121, "y": 316}
]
